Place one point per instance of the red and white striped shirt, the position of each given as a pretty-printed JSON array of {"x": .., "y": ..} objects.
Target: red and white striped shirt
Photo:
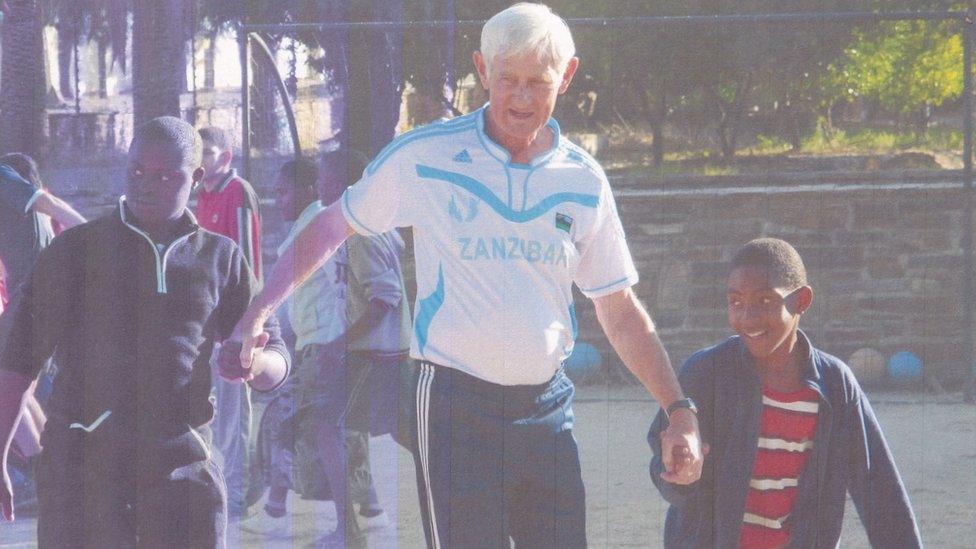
[{"x": 786, "y": 429}]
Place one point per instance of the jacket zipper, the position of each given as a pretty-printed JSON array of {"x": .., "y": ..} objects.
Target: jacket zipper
[{"x": 160, "y": 259}]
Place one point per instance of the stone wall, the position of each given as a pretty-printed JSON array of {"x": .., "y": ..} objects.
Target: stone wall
[
  {"x": 884, "y": 256},
  {"x": 884, "y": 260}
]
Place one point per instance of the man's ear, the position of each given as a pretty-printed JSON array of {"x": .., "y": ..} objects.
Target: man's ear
[
  {"x": 481, "y": 67},
  {"x": 197, "y": 176},
  {"x": 801, "y": 300},
  {"x": 568, "y": 75},
  {"x": 225, "y": 158}
]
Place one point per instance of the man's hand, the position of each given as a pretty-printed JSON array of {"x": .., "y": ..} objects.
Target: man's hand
[
  {"x": 250, "y": 335},
  {"x": 230, "y": 360},
  {"x": 6, "y": 495},
  {"x": 682, "y": 450}
]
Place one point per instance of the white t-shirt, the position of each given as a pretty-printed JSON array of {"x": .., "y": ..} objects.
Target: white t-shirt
[
  {"x": 498, "y": 245},
  {"x": 317, "y": 308}
]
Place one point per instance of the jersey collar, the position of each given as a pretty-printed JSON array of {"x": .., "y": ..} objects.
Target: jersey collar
[
  {"x": 188, "y": 222},
  {"x": 225, "y": 181},
  {"x": 501, "y": 153}
]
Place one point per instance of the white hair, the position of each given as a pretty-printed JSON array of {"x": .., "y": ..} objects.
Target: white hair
[{"x": 528, "y": 28}]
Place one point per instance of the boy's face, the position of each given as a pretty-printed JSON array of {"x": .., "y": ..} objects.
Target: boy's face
[
  {"x": 292, "y": 200},
  {"x": 158, "y": 182},
  {"x": 764, "y": 316},
  {"x": 215, "y": 160}
]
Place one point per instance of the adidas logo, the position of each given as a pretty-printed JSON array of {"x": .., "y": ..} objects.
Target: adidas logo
[{"x": 463, "y": 156}]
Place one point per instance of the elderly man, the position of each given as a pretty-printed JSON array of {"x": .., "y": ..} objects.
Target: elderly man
[
  {"x": 507, "y": 216},
  {"x": 133, "y": 303}
]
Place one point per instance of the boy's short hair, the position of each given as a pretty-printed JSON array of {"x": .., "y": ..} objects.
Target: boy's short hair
[
  {"x": 354, "y": 161},
  {"x": 783, "y": 262},
  {"x": 303, "y": 173},
  {"x": 25, "y": 166},
  {"x": 169, "y": 130},
  {"x": 217, "y": 136}
]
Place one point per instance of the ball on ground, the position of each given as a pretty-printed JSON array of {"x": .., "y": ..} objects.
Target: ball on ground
[
  {"x": 868, "y": 365},
  {"x": 905, "y": 367}
]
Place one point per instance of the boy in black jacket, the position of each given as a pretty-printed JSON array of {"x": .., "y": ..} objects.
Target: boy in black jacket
[{"x": 133, "y": 304}]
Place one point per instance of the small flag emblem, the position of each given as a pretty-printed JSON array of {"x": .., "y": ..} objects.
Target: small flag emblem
[{"x": 564, "y": 222}]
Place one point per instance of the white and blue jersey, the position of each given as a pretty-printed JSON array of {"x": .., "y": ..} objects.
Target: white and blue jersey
[{"x": 498, "y": 245}]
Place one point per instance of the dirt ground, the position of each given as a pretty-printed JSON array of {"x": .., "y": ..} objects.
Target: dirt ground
[{"x": 933, "y": 439}]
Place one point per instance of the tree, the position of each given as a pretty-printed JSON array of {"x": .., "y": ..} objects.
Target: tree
[
  {"x": 364, "y": 67},
  {"x": 106, "y": 22},
  {"x": 771, "y": 65},
  {"x": 429, "y": 52},
  {"x": 907, "y": 66},
  {"x": 217, "y": 15},
  {"x": 158, "y": 58},
  {"x": 22, "y": 80},
  {"x": 636, "y": 69}
]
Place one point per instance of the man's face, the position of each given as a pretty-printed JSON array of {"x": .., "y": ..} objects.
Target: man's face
[
  {"x": 158, "y": 182},
  {"x": 215, "y": 160},
  {"x": 522, "y": 90},
  {"x": 765, "y": 317},
  {"x": 290, "y": 199}
]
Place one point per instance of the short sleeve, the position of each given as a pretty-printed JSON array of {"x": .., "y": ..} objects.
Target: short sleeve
[
  {"x": 374, "y": 269},
  {"x": 16, "y": 193},
  {"x": 606, "y": 265},
  {"x": 382, "y": 200}
]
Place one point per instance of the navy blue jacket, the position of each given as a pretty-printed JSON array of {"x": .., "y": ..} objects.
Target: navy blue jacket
[{"x": 849, "y": 455}]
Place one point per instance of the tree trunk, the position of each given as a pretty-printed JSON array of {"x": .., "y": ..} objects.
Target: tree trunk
[
  {"x": 102, "y": 69},
  {"x": 265, "y": 117},
  {"x": 922, "y": 121},
  {"x": 438, "y": 82},
  {"x": 368, "y": 67},
  {"x": 22, "y": 91},
  {"x": 727, "y": 148},
  {"x": 66, "y": 46},
  {"x": 386, "y": 75},
  {"x": 657, "y": 114},
  {"x": 208, "y": 60},
  {"x": 158, "y": 59},
  {"x": 730, "y": 117},
  {"x": 794, "y": 126}
]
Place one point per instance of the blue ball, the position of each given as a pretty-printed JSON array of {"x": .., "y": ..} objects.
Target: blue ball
[
  {"x": 584, "y": 363},
  {"x": 905, "y": 367}
]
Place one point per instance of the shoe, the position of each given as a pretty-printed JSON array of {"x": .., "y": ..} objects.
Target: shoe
[
  {"x": 373, "y": 519},
  {"x": 336, "y": 539},
  {"x": 267, "y": 527},
  {"x": 275, "y": 509},
  {"x": 238, "y": 513}
]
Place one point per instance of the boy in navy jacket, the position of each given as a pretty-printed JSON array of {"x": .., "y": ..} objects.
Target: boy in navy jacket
[{"x": 790, "y": 432}]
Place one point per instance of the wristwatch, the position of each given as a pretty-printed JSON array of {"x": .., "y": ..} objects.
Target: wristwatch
[{"x": 683, "y": 403}]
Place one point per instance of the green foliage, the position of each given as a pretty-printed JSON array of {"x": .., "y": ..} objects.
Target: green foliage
[
  {"x": 770, "y": 144},
  {"x": 875, "y": 140},
  {"x": 904, "y": 65}
]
